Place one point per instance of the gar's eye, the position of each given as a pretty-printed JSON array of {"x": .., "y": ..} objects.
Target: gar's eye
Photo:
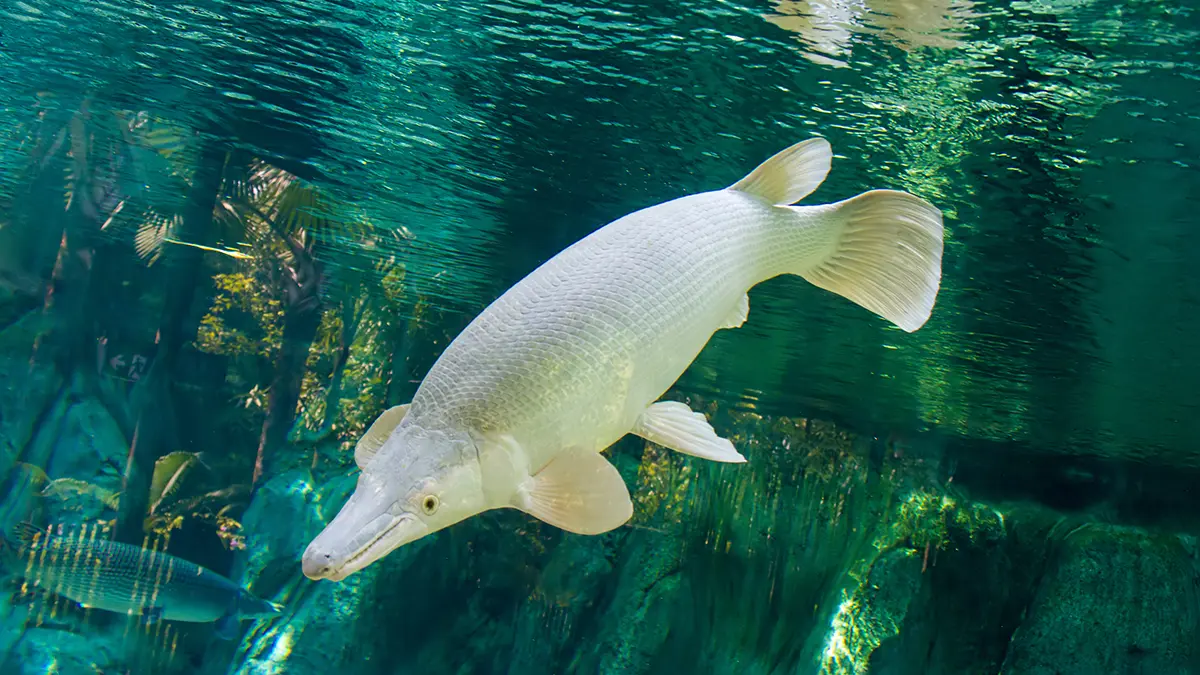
[{"x": 430, "y": 504}]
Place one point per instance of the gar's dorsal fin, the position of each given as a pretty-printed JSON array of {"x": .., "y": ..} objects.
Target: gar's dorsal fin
[
  {"x": 791, "y": 174},
  {"x": 383, "y": 426}
]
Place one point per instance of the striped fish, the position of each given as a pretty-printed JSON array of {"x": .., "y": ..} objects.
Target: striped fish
[{"x": 115, "y": 577}]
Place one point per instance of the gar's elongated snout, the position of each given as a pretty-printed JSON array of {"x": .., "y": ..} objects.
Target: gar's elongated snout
[
  {"x": 333, "y": 556},
  {"x": 368, "y": 527},
  {"x": 419, "y": 483}
]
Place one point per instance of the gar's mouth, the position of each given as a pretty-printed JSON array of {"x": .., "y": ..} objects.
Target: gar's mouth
[{"x": 365, "y": 555}]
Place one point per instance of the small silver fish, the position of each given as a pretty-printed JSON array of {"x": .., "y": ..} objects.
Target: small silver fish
[{"x": 116, "y": 577}]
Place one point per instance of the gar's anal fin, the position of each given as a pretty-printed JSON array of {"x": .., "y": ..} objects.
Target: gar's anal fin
[{"x": 673, "y": 425}]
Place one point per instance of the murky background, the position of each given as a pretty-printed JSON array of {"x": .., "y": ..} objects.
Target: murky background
[{"x": 231, "y": 234}]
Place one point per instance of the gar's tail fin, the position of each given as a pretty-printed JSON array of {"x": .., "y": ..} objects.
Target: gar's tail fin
[{"x": 888, "y": 255}]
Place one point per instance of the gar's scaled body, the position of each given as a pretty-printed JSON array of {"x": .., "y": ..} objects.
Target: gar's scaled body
[{"x": 517, "y": 410}]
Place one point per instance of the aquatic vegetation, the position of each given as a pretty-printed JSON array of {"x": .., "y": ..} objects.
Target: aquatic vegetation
[
  {"x": 664, "y": 481},
  {"x": 257, "y": 328},
  {"x": 927, "y": 520},
  {"x": 65, "y": 488},
  {"x": 169, "y": 471}
]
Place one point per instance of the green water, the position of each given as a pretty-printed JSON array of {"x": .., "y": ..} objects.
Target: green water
[{"x": 232, "y": 234}]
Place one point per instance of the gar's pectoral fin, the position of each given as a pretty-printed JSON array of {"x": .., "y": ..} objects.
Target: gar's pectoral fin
[
  {"x": 579, "y": 492},
  {"x": 673, "y": 425}
]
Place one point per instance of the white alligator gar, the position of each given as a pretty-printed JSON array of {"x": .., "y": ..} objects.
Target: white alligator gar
[{"x": 518, "y": 408}]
